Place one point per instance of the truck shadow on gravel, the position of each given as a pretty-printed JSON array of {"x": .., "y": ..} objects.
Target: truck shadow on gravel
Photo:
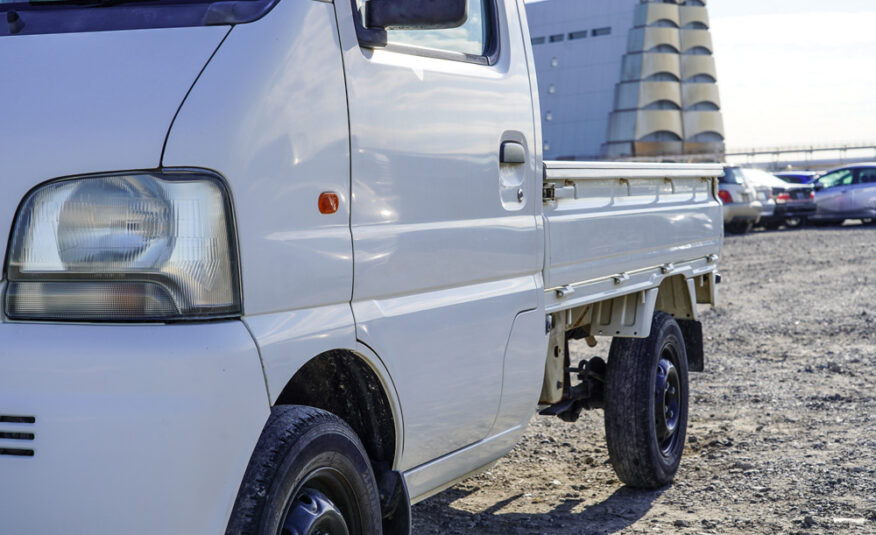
[{"x": 621, "y": 510}]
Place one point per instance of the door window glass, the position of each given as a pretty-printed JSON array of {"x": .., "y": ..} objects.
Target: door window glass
[
  {"x": 470, "y": 38},
  {"x": 866, "y": 176},
  {"x": 842, "y": 177}
]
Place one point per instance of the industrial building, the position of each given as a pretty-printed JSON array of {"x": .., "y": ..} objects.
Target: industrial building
[{"x": 625, "y": 78}]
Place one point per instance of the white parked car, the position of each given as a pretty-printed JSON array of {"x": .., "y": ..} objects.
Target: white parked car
[
  {"x": 275, "y": 266},
  {"x": 743, "y": 205}
]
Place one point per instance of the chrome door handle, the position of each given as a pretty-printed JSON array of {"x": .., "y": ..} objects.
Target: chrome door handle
[{"x": 511, "y": 152}]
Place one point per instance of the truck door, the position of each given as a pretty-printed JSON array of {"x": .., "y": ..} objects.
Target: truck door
[{"x": 446, "y": 241}]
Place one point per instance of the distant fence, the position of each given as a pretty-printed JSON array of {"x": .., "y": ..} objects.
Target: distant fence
[
  {"x": 803, "y": 157},
  {"x": 813, "y": 157}
]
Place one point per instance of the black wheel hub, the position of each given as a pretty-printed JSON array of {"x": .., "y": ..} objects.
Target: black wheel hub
[
  {"x": 322, "y": 505},
  {"x": 667, "y": 403}
]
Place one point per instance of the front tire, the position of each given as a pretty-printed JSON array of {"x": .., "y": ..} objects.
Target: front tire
[
  {"x": 309, "y": 475},
  {"x": 646, "y": 404}
]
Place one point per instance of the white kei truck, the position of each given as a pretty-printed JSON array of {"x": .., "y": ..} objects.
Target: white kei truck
[{"x": 290, "y": 266}]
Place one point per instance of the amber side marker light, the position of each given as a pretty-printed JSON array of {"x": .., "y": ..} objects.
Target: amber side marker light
[{"x": 328, "y": 202}]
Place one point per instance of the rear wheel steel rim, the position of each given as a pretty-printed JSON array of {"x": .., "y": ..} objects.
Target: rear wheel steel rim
[
  {"x": 323, "y": 504},
  {"x": 667, "y": 401}
]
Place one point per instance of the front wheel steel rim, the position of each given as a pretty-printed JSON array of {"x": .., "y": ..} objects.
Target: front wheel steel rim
[
  {"x": 323, "y": 504},
  {"x": 667, "y": 402}
]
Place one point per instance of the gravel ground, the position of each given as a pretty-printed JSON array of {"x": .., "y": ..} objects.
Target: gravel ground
[{"x": 782, "y": 431}]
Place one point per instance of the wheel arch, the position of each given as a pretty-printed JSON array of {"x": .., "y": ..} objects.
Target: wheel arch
[
  {"x": 355, "y": 386},
  {"x": 676, "y": 296}
]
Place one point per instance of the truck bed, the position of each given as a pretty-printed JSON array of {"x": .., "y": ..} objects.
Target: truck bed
[{"x": 618, "y": 228}]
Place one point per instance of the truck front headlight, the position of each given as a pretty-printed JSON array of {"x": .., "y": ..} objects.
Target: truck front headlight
[{"x": 124, "y": 247}]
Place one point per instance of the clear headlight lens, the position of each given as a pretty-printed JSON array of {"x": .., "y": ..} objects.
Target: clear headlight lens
[{"x": 136, "y": 247}]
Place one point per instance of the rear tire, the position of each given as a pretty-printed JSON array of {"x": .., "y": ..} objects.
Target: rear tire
[
  {"x": 309, "y": 474},
  {"x": 737, "y": 227},
  {"x": 646, "y": 404},
  {"x": 795, "y": 222}
]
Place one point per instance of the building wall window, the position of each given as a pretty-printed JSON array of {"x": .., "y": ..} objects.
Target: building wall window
[
  {"x": 704, "y": 106},
  {"x": 662, "y": 77},
  {"x": 601, "y": 31},
  {"x": 557, "y": 38},
  {"x": 701, "y": 79},
  {"x": 696, "y": 26},
  {"x": 698, "y": 51},
  {"x": 664, "y": 49},
  {"x": 578, "y": 35},
  {"x": 662, "y": 105},
  {"x": 538, "y": 40}
]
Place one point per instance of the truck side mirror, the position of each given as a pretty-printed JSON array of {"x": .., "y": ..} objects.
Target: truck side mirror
[{"x": 415, "y": 14}]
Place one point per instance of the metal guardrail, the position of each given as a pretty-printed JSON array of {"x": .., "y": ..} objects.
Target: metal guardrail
[
  {"x": 803, "y": 157},
  {"x": 773, "y": 158}
]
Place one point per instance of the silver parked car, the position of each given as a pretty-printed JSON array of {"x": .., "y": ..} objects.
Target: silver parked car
[
  {"x": 846, "y": 193},
  {"x": 742, "y": 208}
]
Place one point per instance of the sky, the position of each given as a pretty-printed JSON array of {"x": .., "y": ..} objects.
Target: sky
[{"x": 795, "y": 72}]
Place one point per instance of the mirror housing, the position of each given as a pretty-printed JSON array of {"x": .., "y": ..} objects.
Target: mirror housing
[
  {"x": 817, "y": 186},
  {"x": 415, "y": 14}
]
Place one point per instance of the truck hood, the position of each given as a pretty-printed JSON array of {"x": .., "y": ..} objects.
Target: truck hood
[{"x": 92, "y": 102}]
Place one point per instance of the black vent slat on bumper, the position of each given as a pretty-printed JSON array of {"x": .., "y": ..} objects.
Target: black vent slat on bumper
[
  {"x": 17, "y": 419},
  {"x": 16, "y": 436},
  {"x": 7, "y": 434},
  {"x": 16, "y": 452}
]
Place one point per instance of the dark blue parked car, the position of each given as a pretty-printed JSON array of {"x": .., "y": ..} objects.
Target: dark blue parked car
[{"x": 798, "y": 177}]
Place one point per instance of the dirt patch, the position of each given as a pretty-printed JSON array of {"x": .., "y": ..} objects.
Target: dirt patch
[{"x": 782, "y": 431}]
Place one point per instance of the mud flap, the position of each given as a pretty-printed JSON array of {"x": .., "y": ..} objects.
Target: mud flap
[
  {"x": 692, "y": 331},
  {"x": 395, "y": 503}
]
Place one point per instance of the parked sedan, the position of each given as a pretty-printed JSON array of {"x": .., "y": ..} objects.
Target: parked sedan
[
  {"x": 846, "y": 193},
  {"x": 742, "y": 209},
  {"x": 795, "y": 203}
]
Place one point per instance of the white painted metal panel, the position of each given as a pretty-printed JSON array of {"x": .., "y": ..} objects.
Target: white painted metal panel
[
  {"x": 288, "y": 340},
  {"x": 523, "y": 367},
  {"x": 431, "y": 478},
  {"x": 269, "y": 113},
  {"x": 139, "y": 429},
  {"x": 78, "y": 103},
  {"x": 445, "y": 255},
  {"x": 614, "y": 218}
]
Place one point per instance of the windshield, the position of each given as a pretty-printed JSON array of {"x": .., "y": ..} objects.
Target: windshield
[
  {"x": 732, "y": 175},
  {"x": 18, "y": 5},
  {"x": 54, "y": 16}
]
